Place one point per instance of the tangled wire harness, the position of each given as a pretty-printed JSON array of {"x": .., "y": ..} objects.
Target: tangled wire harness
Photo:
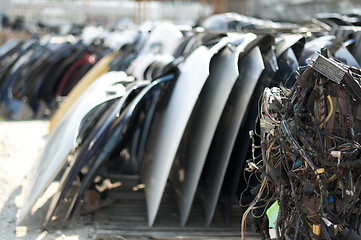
[{"x": 309, "y": 141}]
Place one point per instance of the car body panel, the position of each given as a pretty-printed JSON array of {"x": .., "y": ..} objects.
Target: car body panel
[
  {"x": 203, "y": 122},
  {"x": 232, "y": 179},
  {"x": 90, "y": 145},
  {"x": 62, "y": 139},
  {"x": 171, "y": 125},
  {"x": 251, "y": 67},
  {"x": 120, "y": 134},
  {"x": 95, "y": 72}
]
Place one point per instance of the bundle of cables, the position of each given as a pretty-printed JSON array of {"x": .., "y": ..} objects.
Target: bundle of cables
[{"x": 308, "y": 144}]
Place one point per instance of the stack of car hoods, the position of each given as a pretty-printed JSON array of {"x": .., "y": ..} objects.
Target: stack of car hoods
[{"x": 175, "y": 106}]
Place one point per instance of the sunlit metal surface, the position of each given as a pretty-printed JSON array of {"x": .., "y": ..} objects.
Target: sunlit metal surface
[
  {"x": 170, "y": 127},
  {"x": 203, "y": 122},
  {"x": 62, "y": 140},
  {"x": 228, "y": 128}
]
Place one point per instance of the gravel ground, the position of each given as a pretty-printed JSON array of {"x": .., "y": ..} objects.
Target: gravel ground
[{"x": 20, "y": 144}]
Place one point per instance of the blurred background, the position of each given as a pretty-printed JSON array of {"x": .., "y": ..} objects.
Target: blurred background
[{"x": 30, "y": 14}]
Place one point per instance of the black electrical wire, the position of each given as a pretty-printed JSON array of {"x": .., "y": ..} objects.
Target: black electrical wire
[
  {"x": 312, "y": 157},
  {"x": 298, "y": 148}
]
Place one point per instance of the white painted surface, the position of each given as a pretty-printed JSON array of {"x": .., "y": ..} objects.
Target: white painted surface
[
  {"x": 215, "y": 93},
  {"x": 171, "y": 126},
  {"x": 62, "y": 139},
  {"x": 228, "y": 129}
]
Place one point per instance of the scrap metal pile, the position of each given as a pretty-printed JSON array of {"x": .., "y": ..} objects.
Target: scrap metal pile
[{"x": 175, "y": 106}]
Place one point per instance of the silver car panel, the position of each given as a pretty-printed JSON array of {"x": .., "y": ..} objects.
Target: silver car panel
[
  {"x": 223, "y": 75},
  {"x": 170, "y": 126},
  {"x": 225, "y": 137}
]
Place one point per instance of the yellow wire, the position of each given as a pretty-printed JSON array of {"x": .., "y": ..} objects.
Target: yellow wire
[
  {"x": 264, "y": 211},
  {"x": 331, "y": 108},
  {"x": 330, "y": 112},
  {"x": 314, "y": 87},
  {"x": 308, "y": 223},
  {"x": 269, "y": 150}
]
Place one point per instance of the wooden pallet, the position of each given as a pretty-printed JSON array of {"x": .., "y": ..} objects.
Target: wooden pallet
[{"x": 126, "y": 218}]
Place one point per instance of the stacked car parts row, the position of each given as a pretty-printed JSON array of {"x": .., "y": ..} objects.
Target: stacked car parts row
[{"x": 178, "y": 115}]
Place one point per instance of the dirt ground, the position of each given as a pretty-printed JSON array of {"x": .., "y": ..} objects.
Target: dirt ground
[{"x": 20, "y": 144}]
